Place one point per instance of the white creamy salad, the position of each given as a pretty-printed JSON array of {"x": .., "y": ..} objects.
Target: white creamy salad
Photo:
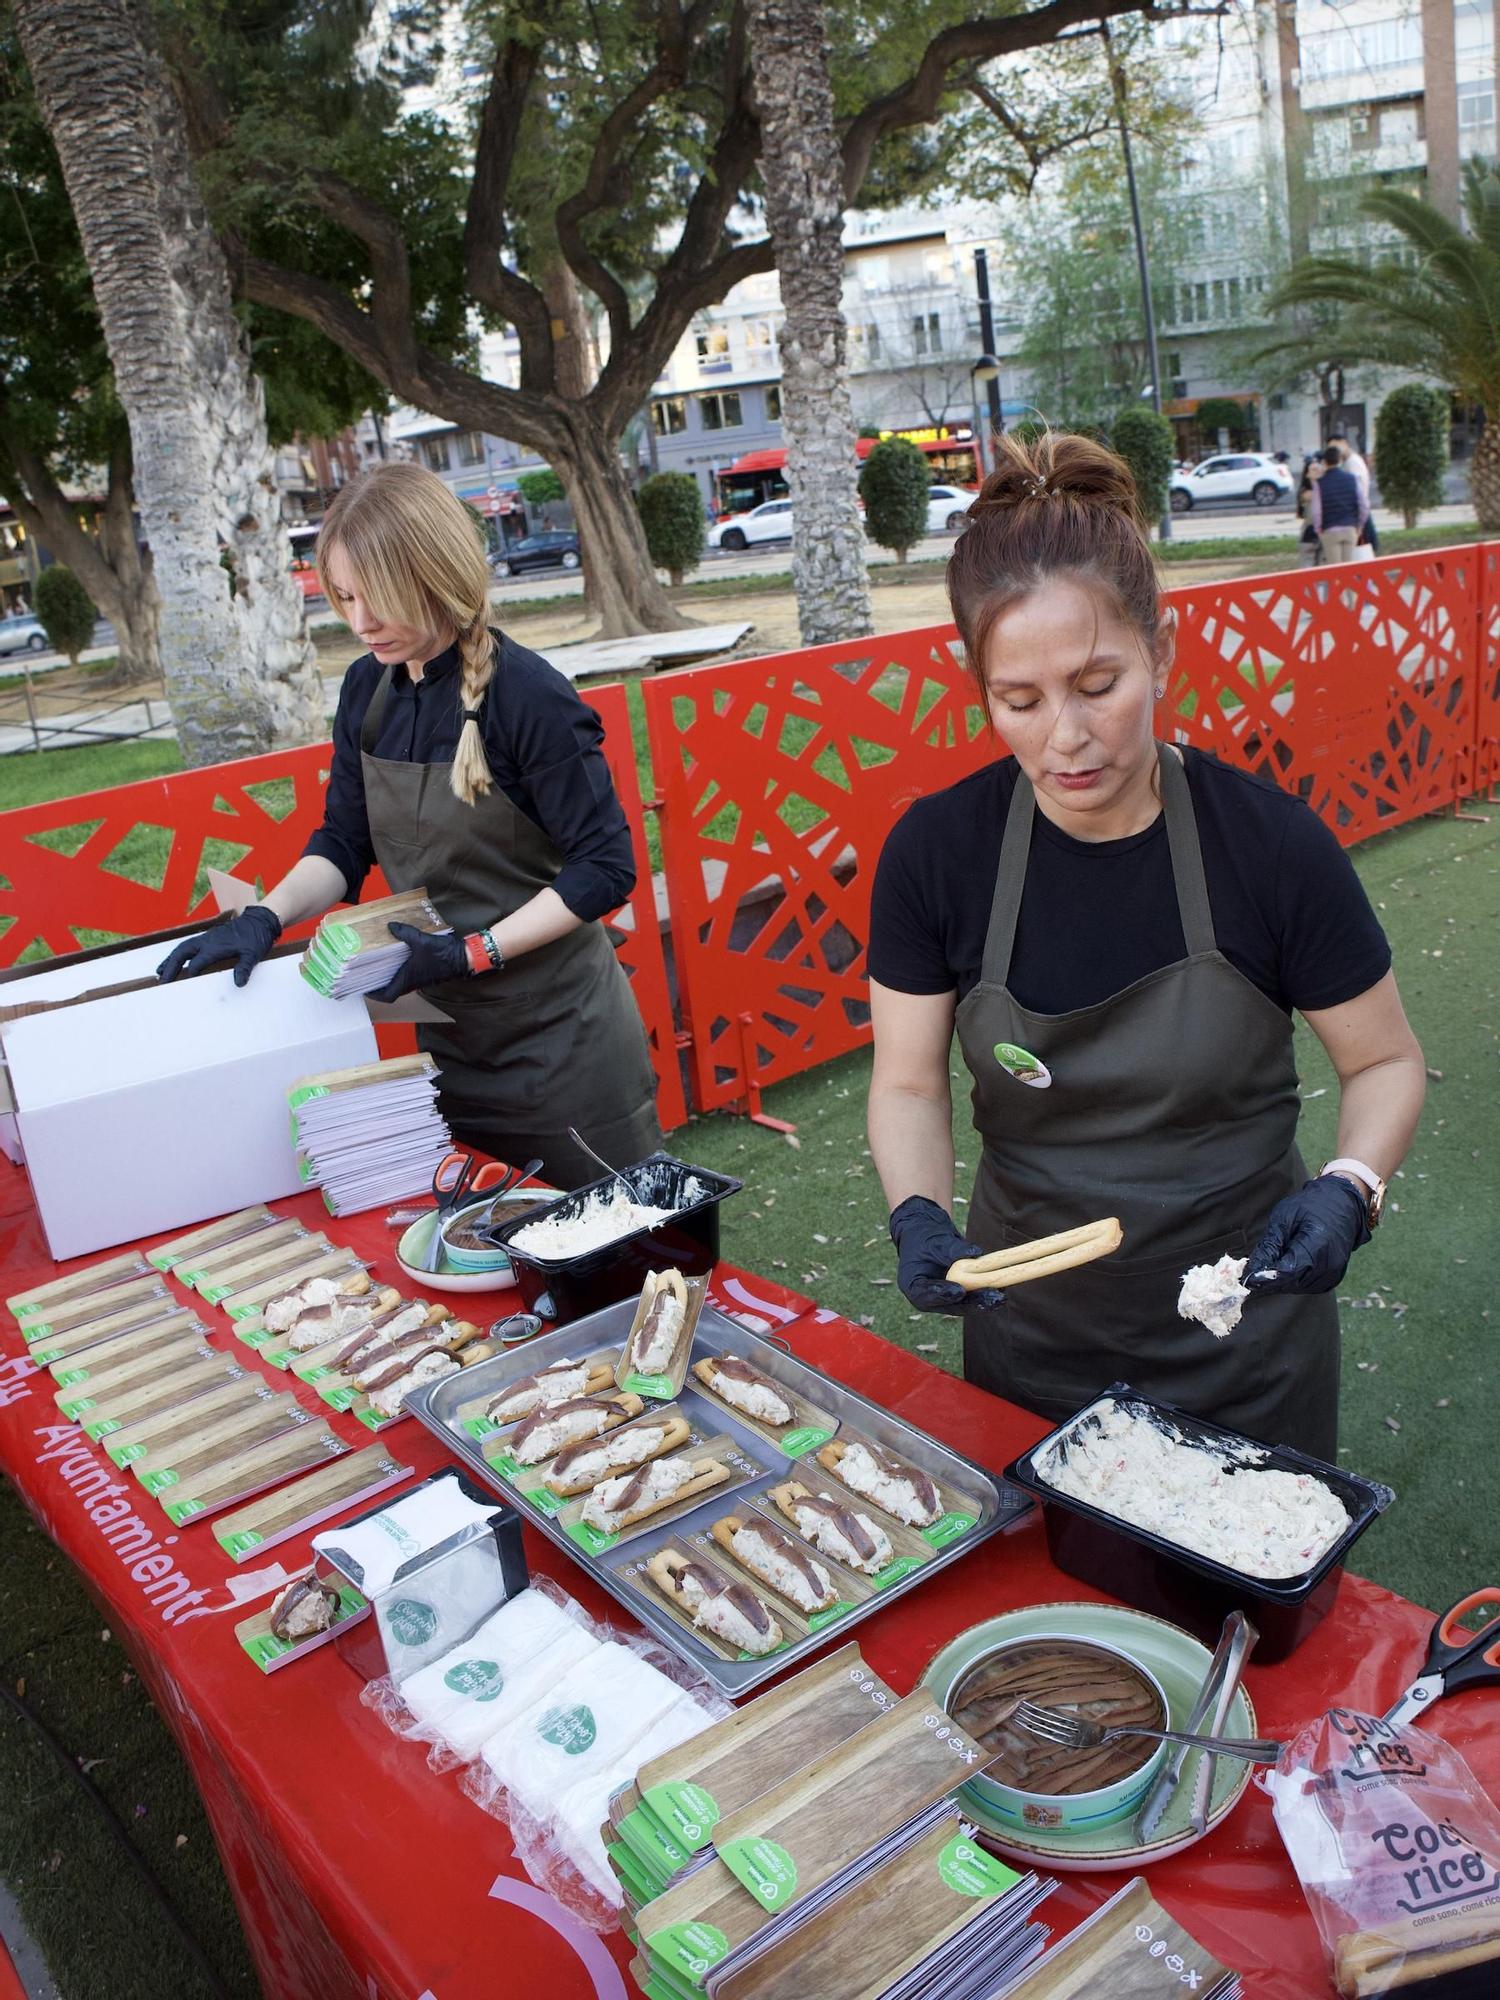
[
  {"x": 601, "y": 1219},
  {"x": 1261, "y": 1523}
]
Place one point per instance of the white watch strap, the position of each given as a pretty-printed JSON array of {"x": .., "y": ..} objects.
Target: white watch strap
[{"x": 1360, "y": 1172}]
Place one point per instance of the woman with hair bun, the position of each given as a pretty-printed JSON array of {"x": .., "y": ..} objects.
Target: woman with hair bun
[
  {"x": 1120, "y": 932},
  {"x": 465, "y": 764}
]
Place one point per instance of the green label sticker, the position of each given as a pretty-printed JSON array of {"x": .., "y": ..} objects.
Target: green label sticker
[
  {"x": 687, "y": 1812},
  {"x": 545, "y": 1501},
  {"x": 589, "y": 1538},
  {"x": 766, "y": 1869},
  {"x": 895, "y": 1571},
  {"x": 26, "y": 1312},
  {"x": 312, "y": 1372},
  {"x": 43, "y": 1355},
  {"x": 657, "y": 1852},
  {"x": 253, "y": 1337},
  {"x": 481, "y": 1679},
  {"x": 36, "y": 1333},
  {"x": 101, "y": 1427},
  {"x": 126, "y": 1454},
  {"x": 339, "y": 1396},
  {"x": 657, "y": 1387},
  {"x": 821, "y": 1618},
  {"x": 412, "y": 1621},
  {"x": 971, "y": 1872},
  {"x": 305, "y": 1168},
  {"x": 947, "y": 1528},
  {"x": 74, "y": 1406},
  {"x": 692, "y": 1949},
  {"x": 480, "y": 1427},
  {"x": 305, "y": 1092},
  {"x": 161, "y": 1259},
  {"x": 264, "y": 1648},
  {"x": 68, "y": 1376},
  {"x": 158, "y": 1481},
  {"x": 504, "y": 1464},
  {"x": 213, "y": 1293},
  {"x": 642, "y": 1882},
  {"x": 179, "y": 1511},
  {"x": 372, "y": 1420},
  {"x": 1023, "y": 1065},
  {"x": 237, "y": 1545},
  {"x": 572, "y": 1729},
  {"x": 798, "y": 1443}
]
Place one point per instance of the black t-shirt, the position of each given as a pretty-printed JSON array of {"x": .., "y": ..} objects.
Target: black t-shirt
[
  {"x": 1289, "y": 911},
  {"x": 544, "y": 747}
]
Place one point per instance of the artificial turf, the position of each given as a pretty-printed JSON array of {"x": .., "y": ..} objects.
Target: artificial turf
[{"x": 1419, "y": 1320}]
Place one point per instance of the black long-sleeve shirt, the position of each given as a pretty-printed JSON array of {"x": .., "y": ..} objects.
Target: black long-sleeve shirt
[{"x": 544, "y": 746}]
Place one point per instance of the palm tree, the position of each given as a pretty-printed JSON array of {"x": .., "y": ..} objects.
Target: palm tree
[
  {"x": 241, "y": 672},
  {"x": 1434, "y": 309},
  {"x": 802, "y": 168}
]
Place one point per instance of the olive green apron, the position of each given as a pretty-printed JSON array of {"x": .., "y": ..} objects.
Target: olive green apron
[
  {"x": 1173, "y": 1105},
  {"x": 553, "y": 1039}
]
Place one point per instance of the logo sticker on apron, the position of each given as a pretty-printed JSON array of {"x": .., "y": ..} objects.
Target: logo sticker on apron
[{"x": 1023, "y": 1065}]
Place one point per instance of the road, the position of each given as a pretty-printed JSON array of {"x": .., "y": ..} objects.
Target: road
[{"x": 1206, "y": 523}]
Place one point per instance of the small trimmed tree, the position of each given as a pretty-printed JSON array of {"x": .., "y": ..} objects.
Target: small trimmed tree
[
  {"x": 1411, "y": 449},
  {"x": 540, "y": 489},
  {"x": 672, "y": 516},
  {"x": 1222, "y": 413},
  {"x": 1147, "y": 443},
  {"x": 894, "y": 485},
  {"x": 66, "y": 611}
]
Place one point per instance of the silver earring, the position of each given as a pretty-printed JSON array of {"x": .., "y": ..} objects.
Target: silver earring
[{"x": 1160, "y": 692}]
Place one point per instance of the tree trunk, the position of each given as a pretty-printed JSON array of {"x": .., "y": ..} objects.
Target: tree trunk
[
  {"x": 240, "y": 672},
  {"x": 625, "y": 590},
  {"x": 802, "y": 167},
  {"x": 1484, "y": 476},
  {"x": 109, "y": 564}
]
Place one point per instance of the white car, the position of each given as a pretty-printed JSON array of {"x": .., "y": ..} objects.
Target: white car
[
  {"x": 946, "y": 508},
  {"x": 1232, "y": 475},
  {"x": 20, "y": 632},
  {"x": 771, "y": 521}
]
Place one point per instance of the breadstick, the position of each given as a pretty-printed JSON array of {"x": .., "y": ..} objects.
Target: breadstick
[
  {"x": 1039, "y": 1259},
  {"x": 1400, "y": 1954}
]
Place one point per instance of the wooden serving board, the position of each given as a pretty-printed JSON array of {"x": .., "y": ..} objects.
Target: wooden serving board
[
  {"x": 961, "y": 1511},
  {"x": 908, "y": 1549},
  {"x": 80, "y": 1311},
  {"x": 319, "y": 1264},
  {"x": 264, "y": 1244},
  {"x": 268, "y": 1652},
  {"x": 157, "y": 1316},
  {"x": 173, "y": 1388},
  {"x": 719, "y": 1451},
  {"x": 251, "y": 1471},
  {"x": 711, "y": 1556},
  {"x": 32, "y": 1304},
  {"x": 229, "y": 1228},
  {"x": 101, "y": 1384},
  {"x": 810, "y": 1428},
  {"x": 231, "y": 1278},
  {"x": 131, "y": 1442},
  {"x": 852, "y": 1588},
  {"x": 302, "y": 1504},
  {"x": 471, "y": 1418},
  {"x": 222, "y": 1437}
]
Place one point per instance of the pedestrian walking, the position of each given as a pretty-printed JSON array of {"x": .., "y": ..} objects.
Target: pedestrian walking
[
  {"x": 1309, "y": 548},
  {"x": 1337, "y": 511},
  {"x": 1359, "y": 465}
]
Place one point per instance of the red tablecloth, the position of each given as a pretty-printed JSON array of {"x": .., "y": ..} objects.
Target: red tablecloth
[{"x": 358, "y": 1872}]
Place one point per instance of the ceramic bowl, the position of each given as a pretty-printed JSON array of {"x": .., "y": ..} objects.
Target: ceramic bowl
[{"x": 1065, "y": 1811}]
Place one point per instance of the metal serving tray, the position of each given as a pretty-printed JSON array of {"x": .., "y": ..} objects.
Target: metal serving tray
[{"x": 992, "y": 1503}]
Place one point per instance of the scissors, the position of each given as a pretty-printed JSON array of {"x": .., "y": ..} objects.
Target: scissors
[
  {"x": 459, "y": 1178},
  {"x": 1456, "y": 1657}
]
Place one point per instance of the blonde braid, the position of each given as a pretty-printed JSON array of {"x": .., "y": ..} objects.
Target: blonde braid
[{"x": 471, "y": 771}]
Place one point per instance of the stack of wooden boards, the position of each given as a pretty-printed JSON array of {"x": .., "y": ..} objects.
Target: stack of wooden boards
[
  {"x": 369, "y": 1135},
  {"x": 352, "y": 950},
  {"x": 810, "y": 1843}
]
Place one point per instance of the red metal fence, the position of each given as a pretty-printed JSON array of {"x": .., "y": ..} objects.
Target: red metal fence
[{"x": 1372, "y": 690}]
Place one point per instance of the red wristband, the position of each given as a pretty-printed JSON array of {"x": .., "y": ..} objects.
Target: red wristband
[{"x": 475, "y": 953}]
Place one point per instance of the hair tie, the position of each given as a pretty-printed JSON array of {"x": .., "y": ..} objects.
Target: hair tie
[
  {"x": 473, "y": 714},
  {"x": 1038, "y": 489}
]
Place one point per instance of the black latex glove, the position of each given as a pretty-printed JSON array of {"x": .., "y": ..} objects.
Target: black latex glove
[
  {"x": 245, "y": 937},
  {"x": 926, "y": 1244},
  {"x": 1310, "y": 1237},
  {"x": 435, "y": 956}
]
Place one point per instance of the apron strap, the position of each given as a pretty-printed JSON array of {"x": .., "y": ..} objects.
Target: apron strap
[
  {"x": 1010, "y": 882},
  {"x": 369, "y": 729},
  {"x": 1187, "y": 855},
  {"x": 1187, "y": 869}
]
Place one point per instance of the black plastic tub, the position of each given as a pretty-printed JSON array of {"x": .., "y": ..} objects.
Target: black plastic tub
[
  {"x": 568, "y": 1288},
  {"x": 1142, "y": 1569}
]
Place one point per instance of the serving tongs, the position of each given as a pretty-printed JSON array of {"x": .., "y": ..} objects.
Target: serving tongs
[
  {"x": 1043, "y": 1257},
  {"x": 1215, "y": 1698}
]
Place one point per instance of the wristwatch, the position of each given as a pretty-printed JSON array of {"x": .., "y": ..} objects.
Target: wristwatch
[
  {"x": 483, "y": 953},
  {"x": 1369, "y": 1180}
]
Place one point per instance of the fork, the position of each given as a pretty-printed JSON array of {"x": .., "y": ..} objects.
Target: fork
[{"x": 1071, "y": 1732}]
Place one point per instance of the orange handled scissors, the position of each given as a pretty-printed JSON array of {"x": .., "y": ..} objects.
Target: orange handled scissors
[
  {"x": 459, "y": 1178},
  {"x": 1457, "y": 1657}
]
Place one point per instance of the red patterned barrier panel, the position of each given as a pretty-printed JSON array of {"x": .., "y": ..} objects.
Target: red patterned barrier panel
[
  {"x": 1356, "y": 687},
  {"x": 779, "y": 779},
  {"x": 1487, "y": 721},
  {"x": 121, "y": 863}
]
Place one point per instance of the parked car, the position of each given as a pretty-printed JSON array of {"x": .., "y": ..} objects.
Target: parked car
[
  {"x": 1232, "y": 475},
  {"x": 22, "y": 633},
  {"x": 557, "y": 548},
  {"x": 771, "y": 521},
  {"x": 947, "y": 507}
]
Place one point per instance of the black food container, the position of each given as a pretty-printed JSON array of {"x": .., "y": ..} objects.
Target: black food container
[
  {"x": 568, "y": 1288},
  {"x": 1142, "y": 1569}
]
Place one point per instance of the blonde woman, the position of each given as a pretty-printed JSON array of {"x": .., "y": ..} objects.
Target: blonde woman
[{"x": 464, "y": 763}]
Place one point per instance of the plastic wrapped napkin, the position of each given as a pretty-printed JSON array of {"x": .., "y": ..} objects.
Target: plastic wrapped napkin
[{"x": 517, "y": 1655}]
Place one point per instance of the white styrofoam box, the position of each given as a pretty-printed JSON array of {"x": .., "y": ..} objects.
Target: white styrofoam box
[{"x": 154, "y": 1110}]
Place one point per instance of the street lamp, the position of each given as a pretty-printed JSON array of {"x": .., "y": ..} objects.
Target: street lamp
[{"x": 985, "y": 370}]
